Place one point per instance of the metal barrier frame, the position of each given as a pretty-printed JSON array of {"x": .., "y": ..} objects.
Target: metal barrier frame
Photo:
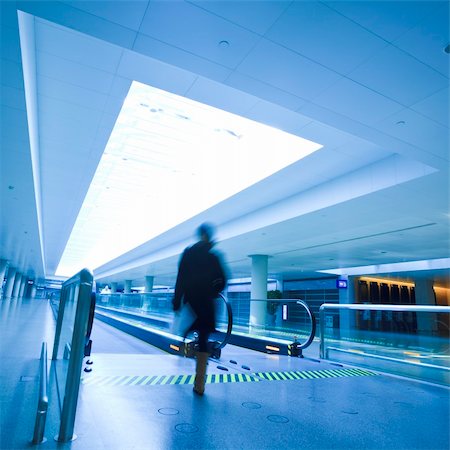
[
  {"x": 375, "y": 307},
  {"x": 85, "y": 280},
  {"x": 42, "y": 408}
]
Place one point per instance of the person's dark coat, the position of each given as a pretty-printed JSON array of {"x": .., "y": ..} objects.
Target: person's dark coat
[{"x": 200, "y": 279}]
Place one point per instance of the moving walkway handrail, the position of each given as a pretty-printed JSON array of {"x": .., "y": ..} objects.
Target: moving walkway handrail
[
  {"x": 230, "y": 321},
  {"x": 41, "y": 413},
  {"x": 373, "y": 307},
  {"x": 312, "y": 317}
]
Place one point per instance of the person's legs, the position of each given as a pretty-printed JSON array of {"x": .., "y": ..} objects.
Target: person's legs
[{"x": 201, "y": 362}]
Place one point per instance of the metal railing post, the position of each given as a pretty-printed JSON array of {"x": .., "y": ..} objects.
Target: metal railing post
[
  {"x": 41, "y": 414},
  {"x": 322, "y": 331}
]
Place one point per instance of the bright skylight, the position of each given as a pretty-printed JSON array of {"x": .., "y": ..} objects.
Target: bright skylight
[{"x": 168, "y": 159}]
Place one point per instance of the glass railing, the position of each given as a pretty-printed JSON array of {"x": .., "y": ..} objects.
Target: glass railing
[
  {"x": 406, "y": 340},
  {"x": 155, "y": 310},
  {"x": 68, "y": 347},
  {"x": 281, "y": 320}
]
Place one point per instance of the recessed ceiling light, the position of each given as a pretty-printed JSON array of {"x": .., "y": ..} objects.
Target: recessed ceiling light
[
  {"x": 447, "y": 49},
  {"x": 400, "y": 122},
  {"x": 224, "y": 44},
  {"x": 10, "y": 187}
]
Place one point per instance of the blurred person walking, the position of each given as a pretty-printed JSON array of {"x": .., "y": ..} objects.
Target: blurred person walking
[{"x": 201, "y": 277}]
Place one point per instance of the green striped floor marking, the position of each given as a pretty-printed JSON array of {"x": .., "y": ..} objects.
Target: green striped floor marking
[{"x": 147, "y": 380}]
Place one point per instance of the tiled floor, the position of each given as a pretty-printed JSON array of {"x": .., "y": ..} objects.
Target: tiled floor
[{"x": 121, "y": 408}]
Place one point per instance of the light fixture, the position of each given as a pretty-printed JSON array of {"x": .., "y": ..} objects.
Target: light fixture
[
  {"x": 447, "y": 49},
  {"x": 224, "y": 44},
  {"x": 166, "y": 167}
]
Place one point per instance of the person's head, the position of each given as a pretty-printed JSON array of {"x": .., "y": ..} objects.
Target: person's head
[{"x": 205, "y": 232}]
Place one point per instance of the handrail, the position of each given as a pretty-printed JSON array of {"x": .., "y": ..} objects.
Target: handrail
[
  {"x": 312, "y": 317},
  {"x": 230, "y": 322},
  {"x": 378, "y": 307},
  {"x": 41, "y": 414},
  {"x": 372, "y": 307}
]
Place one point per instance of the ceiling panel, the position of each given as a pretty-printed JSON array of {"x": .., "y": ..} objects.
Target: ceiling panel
[
  {"x": 135, "y": 66},
  {"x": 68, "y": 127},
  {"x": 287, "y": 70},
  {"x": 388, "y": 19},
  {"x": 221, "y": 96},
  {"x": 180, "y": 58},
  {"x": 427, "y": 40},
  {"x": 73, "y": 73},
  {"x": 70, "y": 93},
  {"x": 11, "y": 73},
  {"x": 358, "y": 102},
  {"x": 14, "y": 127},
  {"x": 76, "y": 47},
  {"x": 84, "y": 22},
  {"x": 55, "y": 109},
  {"x": 399, "y": 76},
  {"x": 9, "y": 43},
  {"x": 255, "y": 16},
  {"x": 435, "y": 107},
  {"x": 363, "y": 151},
  {"x": 193, "y": 29},
  {"x": 264, "y": 91},
  {"x": 374, "y": 135},
  {"x": 322, "y": 35},
  {"x": 278, "y": 117},
  {"x": 329, "y": 137},
  {"x": 120, "y": 86},
  {"x": 128, "y": 14},
  {"x": 419, "y": 131},
  {"x": 12, "y": 97}
]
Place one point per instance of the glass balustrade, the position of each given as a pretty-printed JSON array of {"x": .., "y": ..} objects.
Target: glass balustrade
[
  {"x": 279, "y": 320},
  {"x": 408, "y": 340}
]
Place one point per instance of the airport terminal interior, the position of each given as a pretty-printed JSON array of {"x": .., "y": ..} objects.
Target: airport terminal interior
[{"x": 312, "y": 137}]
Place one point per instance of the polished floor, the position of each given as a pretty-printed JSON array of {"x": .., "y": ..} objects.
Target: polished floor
[{"x": 138, "y": 397}]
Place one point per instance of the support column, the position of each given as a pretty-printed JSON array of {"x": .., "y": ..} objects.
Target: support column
[
  {"x": 10, "y": 283},
  {"x": 17, "y": 284},
  {"x": 113, "y": 287},
  {"x": 127, "y": 289},
  {"x": 3, "y": 269},
  {"x": 148, "y": 284},
  {"x": 258, "y": 310},
  {"x": 23, "y": 285},
  {"x": 424, "y": 293},
  {"x": 33, "y": 290}
]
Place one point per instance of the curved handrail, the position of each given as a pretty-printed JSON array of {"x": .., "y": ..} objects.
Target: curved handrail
[
  {"x": 312, "y": 317},
  {"x": 230, "y": 321}
]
